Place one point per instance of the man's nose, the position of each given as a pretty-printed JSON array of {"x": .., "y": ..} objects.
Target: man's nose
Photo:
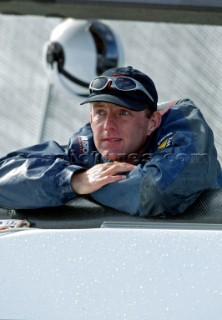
[{"x": 110, "y": 122}]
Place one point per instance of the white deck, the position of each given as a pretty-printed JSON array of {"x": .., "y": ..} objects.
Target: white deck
[{"x": 111, "y": 274}]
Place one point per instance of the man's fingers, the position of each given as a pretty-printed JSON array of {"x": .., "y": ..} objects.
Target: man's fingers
[
  {"x": 117, "y": 167},
  {"x": 98, "y": 176},
  {"x": 109, "y": 179}
]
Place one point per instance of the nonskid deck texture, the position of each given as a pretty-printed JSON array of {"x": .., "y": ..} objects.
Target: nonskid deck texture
[{"x": 85, "y": 213}]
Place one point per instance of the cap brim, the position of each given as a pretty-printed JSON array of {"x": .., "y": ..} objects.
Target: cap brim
[{"x": 125, "y": 102}]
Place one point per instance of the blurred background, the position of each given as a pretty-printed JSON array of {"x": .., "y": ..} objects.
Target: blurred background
[{"x": 183, "y": 60}]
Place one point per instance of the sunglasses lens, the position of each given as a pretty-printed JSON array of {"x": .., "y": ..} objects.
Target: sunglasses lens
[
  {"x": 124, "y": 83},
  {"x": 99, "y": 83}
]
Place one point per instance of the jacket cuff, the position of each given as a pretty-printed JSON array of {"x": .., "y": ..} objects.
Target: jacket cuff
[{"x": 62, "y": 183}]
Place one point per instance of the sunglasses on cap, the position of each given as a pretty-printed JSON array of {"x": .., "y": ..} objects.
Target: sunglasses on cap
[{"x": 121, "y": 83}]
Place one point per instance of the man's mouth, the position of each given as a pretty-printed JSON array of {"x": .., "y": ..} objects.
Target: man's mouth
[{"x": 111, "y": 139}]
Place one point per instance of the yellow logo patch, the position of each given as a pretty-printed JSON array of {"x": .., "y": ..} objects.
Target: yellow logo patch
[{"x": 166, "y": 141}]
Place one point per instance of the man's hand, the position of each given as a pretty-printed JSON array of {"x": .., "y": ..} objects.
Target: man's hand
[{"x": 93, "y": 179}]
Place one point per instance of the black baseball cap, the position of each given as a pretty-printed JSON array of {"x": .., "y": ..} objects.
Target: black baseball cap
[{"x": 135, "y": 100}]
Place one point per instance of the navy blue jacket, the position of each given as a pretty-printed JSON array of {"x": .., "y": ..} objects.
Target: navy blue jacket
[{"x": 180, "y": 162}]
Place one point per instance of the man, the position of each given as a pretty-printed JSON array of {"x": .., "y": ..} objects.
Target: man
[{"x": 130, "y": 156}]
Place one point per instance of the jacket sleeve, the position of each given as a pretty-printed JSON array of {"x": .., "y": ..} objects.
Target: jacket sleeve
[
  {"x": 182, "y": 166},
  {"x": 38, "y": 176}
]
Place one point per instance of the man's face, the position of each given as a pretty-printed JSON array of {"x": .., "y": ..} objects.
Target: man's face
[{"x": 117, "y": 130}]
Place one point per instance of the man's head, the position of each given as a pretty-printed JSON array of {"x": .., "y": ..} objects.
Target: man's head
[
  {"x": 123, "y": 112},
  {"x": 127, "y": 87}
]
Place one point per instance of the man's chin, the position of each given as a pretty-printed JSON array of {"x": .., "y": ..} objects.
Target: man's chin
[
  {"x": 121, "y": 157},
  {"x": 111, "y": 156},
  {"x": 132, "y": 158}
]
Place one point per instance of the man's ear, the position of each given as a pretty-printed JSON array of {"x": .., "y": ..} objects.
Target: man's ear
[
  {"x": 154, "y": 122},
  {"x": 90, "y": 119}
]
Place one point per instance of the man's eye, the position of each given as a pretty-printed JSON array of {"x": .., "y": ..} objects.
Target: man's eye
[
  {"x": 100, "y": 112},
  {"x": 124, "y": 113}
]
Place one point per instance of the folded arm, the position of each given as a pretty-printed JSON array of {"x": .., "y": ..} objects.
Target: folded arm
[{"x": 35, "y": 177}]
